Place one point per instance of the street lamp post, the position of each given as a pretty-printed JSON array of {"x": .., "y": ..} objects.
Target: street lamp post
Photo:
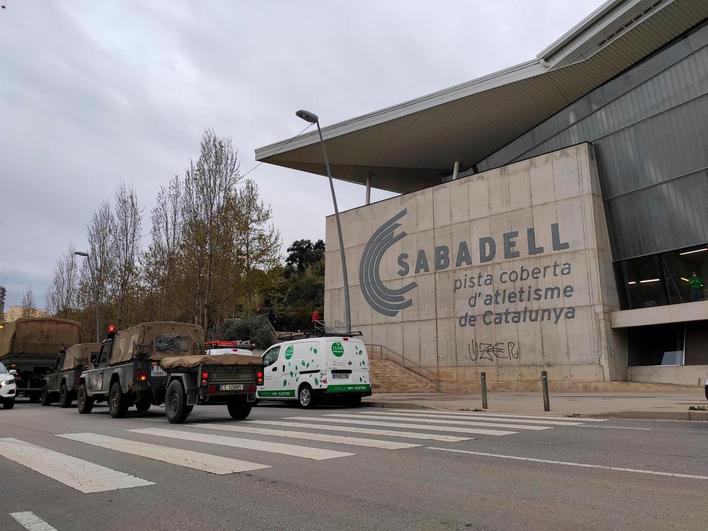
[
  {"x": 314, "y": 119},
  {"x": 95, "y": 287}
]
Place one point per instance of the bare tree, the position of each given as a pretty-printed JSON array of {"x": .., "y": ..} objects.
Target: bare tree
[
  {"x": 209, "y": 189},
  {"x": 62, "y": 296},
  {"x": 3, "y": 294},
  {"x": 97, "y": 274},
  {"x": 29, "y": 308},
  {"x": 126, "y": 243}
]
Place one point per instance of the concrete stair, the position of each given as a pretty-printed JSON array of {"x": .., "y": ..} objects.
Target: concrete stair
[{"x": 389, "y": 377}]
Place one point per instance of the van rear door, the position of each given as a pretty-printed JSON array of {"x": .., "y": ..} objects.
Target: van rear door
[{"x": 348, "y": 365}]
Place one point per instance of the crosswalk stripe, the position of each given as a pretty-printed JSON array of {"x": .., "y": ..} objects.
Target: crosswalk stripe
[
  {"x": 249, "y": 444},
  {"x": 31, "y": 521},
  {"x": 506, "y": 415},
  {"x": 490, "y": 419},
  {"x": 373, "y": 422},
  {"x": 436, "y": 421},
  {"x": 323, "y": 437},
  {"x": 175, "y": 456},
  {"x": 368, "y": 431},
  {"x": 76, "y": 473}
]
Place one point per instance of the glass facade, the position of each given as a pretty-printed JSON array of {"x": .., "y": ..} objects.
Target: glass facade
[{"x": 669, "y": 344}]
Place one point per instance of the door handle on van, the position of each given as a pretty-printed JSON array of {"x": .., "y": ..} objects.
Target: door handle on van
[{"x": 274, "y": 369}]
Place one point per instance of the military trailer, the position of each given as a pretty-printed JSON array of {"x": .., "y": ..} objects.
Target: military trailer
[
  {"x": 229, "y": 379},
  {"x": 30, "y": 346},
  {"x": 140, "y": 365},
  {"x": 62, "y": 383}
]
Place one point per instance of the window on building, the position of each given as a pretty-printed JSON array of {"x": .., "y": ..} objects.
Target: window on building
[{"x": 668, "y": 278}]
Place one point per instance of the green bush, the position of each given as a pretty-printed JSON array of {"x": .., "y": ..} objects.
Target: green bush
[{"x": 255, "y": 329}]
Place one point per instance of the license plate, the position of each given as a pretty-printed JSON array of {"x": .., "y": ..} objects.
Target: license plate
[
  {"x": 231, "y": 387},
  {"x": 339, "y": 376},
  {"x": 157, "y": 371}
]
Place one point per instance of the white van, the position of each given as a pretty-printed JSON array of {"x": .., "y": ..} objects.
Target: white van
[{"x": 319, "y": 367}]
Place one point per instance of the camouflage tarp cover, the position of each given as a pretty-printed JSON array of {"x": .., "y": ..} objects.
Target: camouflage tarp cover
[
  {"x": 186, "y": 362},
  {"x": 79, "y": 355},
  {"x": 38, "y": 336},
  {"x": 158, "y": 339}
]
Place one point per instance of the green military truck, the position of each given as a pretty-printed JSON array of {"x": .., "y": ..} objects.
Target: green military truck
[
  {"x": 30, "y": 346},
  {"x": 164, "y": 362},
  {"x": 62, "y": 383}
]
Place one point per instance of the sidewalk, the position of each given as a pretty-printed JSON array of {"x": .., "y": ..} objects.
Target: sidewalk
[{"x": 669, "y": 406}]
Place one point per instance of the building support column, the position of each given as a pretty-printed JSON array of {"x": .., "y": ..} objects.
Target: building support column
[{"x": 368, "y": 189}]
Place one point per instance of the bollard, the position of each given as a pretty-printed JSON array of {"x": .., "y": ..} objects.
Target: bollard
[
  {"x": 483, "y": 377},
  {"x": 544, "y": 382}
]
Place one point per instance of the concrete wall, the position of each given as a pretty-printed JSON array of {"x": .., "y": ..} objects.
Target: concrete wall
[
  {"x": 670, "y": 374},
  {"x": 415, "y": 290}
]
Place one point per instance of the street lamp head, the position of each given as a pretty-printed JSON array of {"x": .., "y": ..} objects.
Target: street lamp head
[
  {"x": 307, "y": 116},
  {"x": 81, "y": 253}
]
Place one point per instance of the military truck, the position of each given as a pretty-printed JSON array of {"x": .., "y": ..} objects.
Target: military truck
[
  {"x": 62, "y": 383},
  {"x": 141, "y": 365},
  {"x": 30, "y": 346}
]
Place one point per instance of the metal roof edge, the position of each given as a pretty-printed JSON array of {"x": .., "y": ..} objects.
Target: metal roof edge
[{"x": 508, "y": 75}]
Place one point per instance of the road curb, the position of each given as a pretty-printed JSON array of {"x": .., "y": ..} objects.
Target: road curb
[
  {"x": 402, "y": 405},
  {"x": 654, "y": 415}
]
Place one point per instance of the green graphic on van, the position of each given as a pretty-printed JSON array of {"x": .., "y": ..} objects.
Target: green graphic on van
[
  {"x": 337, "y": 349},
  {"x": 289, "y": 352}
]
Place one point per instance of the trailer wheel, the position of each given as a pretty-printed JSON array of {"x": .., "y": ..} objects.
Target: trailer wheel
[
  {"x": 8, "y": 404},
  {"x": 44, "y": 397},
  {"x": 64, "y": 396},
  {"x": 176, "y": 406},
  {"x": 143, "y": 405},
  {"x": 84, "y": 402},
  {"x": 304, "y": 396},
  {"x": 117, "y": 401},
  {"x": 238, "y": 408}
]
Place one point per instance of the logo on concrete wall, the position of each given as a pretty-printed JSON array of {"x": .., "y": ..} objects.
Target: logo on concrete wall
[{"x": 384, "y": 300}]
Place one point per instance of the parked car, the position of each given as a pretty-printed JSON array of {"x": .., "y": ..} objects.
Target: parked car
[
  {"x": 62, "y": 383},
  {"x": 221, "y": 347},
  {"x": 315, "y": 368},
  {"x": 8, "y": 388}
]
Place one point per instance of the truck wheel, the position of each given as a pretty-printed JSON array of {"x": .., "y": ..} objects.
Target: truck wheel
[
  {"x": 304, "y": 396},
  {"x": 238, "y": 408},
  {"x": 706, "y": 392},
  {"x": 44, "y": 397},
  {"x": 84, "y": 402},
  {"x": 143, "y": 405},
  {"x": 8, "y": 404},
  {"x": 117, "y": 401},
  {"x": 64, "y": 396},
  {"x": 176, "y": 403}
]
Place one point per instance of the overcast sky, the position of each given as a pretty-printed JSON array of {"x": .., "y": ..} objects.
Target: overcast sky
[{"x": 95, "y": 92}]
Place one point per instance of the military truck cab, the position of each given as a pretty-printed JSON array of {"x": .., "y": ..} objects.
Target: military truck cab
[
  {"x": 62, "y": 382},
  {"x": 127, "y": 372}
]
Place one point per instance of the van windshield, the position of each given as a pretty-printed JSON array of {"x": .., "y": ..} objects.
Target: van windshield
[{"x": 3, "y": 370}]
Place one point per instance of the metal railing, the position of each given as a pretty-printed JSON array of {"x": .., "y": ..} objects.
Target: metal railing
[{"x": 386, "y": 353}]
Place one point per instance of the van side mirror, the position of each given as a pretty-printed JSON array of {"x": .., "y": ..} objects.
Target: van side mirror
[{"x": 13, "y": 372}]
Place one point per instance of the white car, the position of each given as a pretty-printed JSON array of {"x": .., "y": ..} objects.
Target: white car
[
  {"x": 228, "y": 350},
  {"x": 330, "y": 367},
  {"x": 8, "y": 388}
]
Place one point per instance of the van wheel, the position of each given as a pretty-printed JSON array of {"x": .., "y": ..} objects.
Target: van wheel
[
  {"x": 64, "y": 396},
  {"x": 176, "y": 406},
  {"x": 8, "y": 404},
  {"x": 117, "y": 401},
  {"x": 238, "y": 408},
  {"x": 304, "y": 396},
  {"x": 44, "y": 399},
  {"x": 84, "y": 402}
]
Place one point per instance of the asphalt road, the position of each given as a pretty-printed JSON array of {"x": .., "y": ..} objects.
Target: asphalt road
[{"x": 348, "y": 468}]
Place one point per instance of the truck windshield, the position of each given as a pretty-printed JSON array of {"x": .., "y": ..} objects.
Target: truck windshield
[{"x": 172, "y": 344}]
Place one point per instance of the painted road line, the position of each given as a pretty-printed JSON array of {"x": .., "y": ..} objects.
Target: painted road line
[
  {"x": 308, "y": 436},
  {"x": 374, "y": 422},
  {"x": 249, "y": 444},
  {"x": 31, "y": 521},
  {"x": 368, "y": 431},
  {"x": 491, "y": 419},
  {"x": 480, "y": 423},
  {"x": 175, "y": 456},
  {"x": 506, "y": 415},
  {"x": 76, "y": 473},
  {"x": 566, "y": 463}
]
